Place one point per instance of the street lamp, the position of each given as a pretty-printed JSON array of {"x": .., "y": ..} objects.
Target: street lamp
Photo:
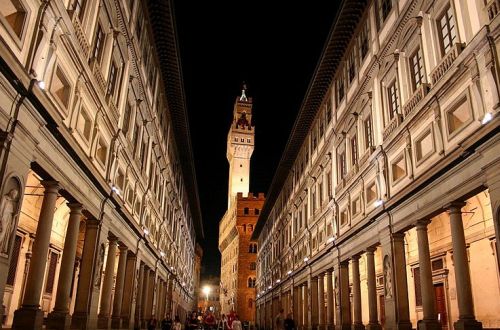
[{"x": 206, "y": 290}]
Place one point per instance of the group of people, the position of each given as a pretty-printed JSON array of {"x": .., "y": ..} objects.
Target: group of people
[
  {"x": 284, "y": 323},
  {"x": 166, "y": 324}
]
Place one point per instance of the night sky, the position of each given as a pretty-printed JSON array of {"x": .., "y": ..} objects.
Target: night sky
[{"x": 274, "y": 49}]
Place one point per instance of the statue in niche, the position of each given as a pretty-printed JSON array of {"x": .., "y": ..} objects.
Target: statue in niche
[
  {"x": 100, "y": 261},
  {"x": 387, "y": 277},
  {"x": 8, "y": 214}
]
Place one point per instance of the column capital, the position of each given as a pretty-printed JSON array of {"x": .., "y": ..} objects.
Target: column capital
[
  {"x": 113, "y": 240},
  {"x": 398, "y": 236},
  {"x": 344, "y": 263},
  {"x": 371, "y": 249},
  {"x": 422, "y": 224},
  {"x": 122, "y": 247},
  {"x": 455, "y": 207},
  {"x": 321, "y": 275},
  {"x": 92, "y": 223},
  {"x": 51, "y": 186},
  {"x": 75, "y": 208},
  {"x": 355, "y": 257}
]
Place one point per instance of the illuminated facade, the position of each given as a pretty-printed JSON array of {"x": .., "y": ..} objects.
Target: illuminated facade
[
  {"x": 236, "y": 227},
  {"x": 385, "y": 210},
  {"x": 99, "y": 209}
]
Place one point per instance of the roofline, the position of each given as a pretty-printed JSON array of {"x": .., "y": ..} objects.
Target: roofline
[
  {"x": 338, "y": 38},
  {"x": 161, "y": 17}
]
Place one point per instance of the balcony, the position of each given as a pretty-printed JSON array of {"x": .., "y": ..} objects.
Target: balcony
[
  {"x": 96, "y": 71},
  {"x": 80, "y": 35},
  {"x": 417, "y": 96},
  {"x": 446, "y": 62},
  {"x": 492, "y": 7},
  {"x": 393, "y": 124}
]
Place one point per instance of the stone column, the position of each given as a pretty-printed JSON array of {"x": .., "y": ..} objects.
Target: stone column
[
  {"x": 329, "y": 303},
  {"x": 321, "y": 301},
  {"x": 305, "y": 307},
  {"x": 493, "y": 182},
  {"x": 344, "y": 320},
  {"x": 313, "y": 323},
  {"x": 372, "y": 291},
  {"x": 145, "y": 297},
  {"x": 87, "y": 294},
  {"x": 396, "y": 285},
  {"x": 120, "y": 283},
  {"x": 300, "y": 308},
  {"x": 466, "y": 317},
  {"x": 296, "y": 302},
  {"x": 356, "y": 295},
  {"x": 427, "y": 287},
  {"x": 138, "y": 306},
  {"x": 30, "y": 315},
  {"x": 107, "y": 286},
  {"x": 59, "y": 318},
  {"x": 129, "y": 288}
]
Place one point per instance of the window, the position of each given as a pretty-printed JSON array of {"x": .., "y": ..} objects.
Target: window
[
  {"x": 101, "y": 152},
  {"x": 248, "y": 140},
  {"x": 417, "y": 69},
  {"x": 252, "y": 266},
  {"x": 252, "y": 248},
  {"x": 459, "y": 116},
  {"x": 257, "y": 211},
  {"x": 120, "y": 179},
  {"x": 14, "y": 14},
  {"x": 418, "y": 289},
  {"x": 242, "y": 140},
  {"x": 340, "y": 89},
  {"x": 51, "y": 273},
  {"x": 398, "y": 168},
  {"x": 84, "y": 124},
  {"x": 356, "y": 206},
  {"x": 371, "y": 192},
  {"x": 328, "y": 111},
  {"x": 343, "y": 217},
  {"x": 251, "y": 282},
  {"x": 364, "y": 39},
  {"x": 78, "y": 8},
  {"x": 384, "y": 9},
  {"x": 446, "y": 30},
  {"x": 113, "y": 74},
  {"x": 354, "y": 149},
  {"x": 98, "y": 44},
  {"x": 342, "y": 165},
  {"x": 392, "y": 98},
  {"x": 60, "y": 87},
  {"x": 246, "y": 210},
  {"x": 368, "y": 132},
  {"x": 351, "y": 65},
  {"x": 329, "y": 183},
  {"x": 424, "y": 145},
  {"x": 126, "y": 117}
]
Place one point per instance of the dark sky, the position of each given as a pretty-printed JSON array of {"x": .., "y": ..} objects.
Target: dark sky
[{"x": 272, "y": 45}]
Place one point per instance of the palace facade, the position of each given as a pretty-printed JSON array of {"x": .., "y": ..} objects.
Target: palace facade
[
  {"x": 385, "y": 210},
  {"x": 99, "y": 209}
]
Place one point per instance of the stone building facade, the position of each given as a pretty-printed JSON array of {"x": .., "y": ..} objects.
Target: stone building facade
[
  {"x": 98, "y": 200},
  {"x": 210, "y": 301},
  {"x": 385, "y": 209},
  {"x": 238, "y": 253}
]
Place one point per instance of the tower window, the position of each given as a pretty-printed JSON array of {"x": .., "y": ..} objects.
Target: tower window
[
  {"x": 241, "y": 165},
  {"x": 241, "y": 179},
  {"x": 235, "y": 139},
  {"x": 248, "y": 140},
  {"x": 245, "y": 210}
]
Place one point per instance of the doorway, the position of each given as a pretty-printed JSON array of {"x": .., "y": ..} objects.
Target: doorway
[{"x": 441, "y": 305}]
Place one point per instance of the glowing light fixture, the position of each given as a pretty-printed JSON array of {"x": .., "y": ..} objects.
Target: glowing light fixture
[
  {"x": 378, "y": 203},
  {"x": 487, "y": 118},
  {"x": 306, "y": 259},
  {"x": 41, "y": 84},
  {"x": 278, "y": 280},
  {"x": 289, "y": 272}
]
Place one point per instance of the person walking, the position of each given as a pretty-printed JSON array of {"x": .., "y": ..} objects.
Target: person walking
[
  {"x": 177, "y": 324},
  {"x": 279, "y": 320},
  {"x": 166, "y": 324},
  {"x": 236, "y": 325},
  {"x": 289, "y": 323},
  {"x": 223, "y": 325}
]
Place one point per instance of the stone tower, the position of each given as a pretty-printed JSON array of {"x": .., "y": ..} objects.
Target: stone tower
[{"x": 240, "y": 145}]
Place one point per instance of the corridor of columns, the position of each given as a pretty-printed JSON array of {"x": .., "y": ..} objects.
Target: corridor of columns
[{"x": 440, "y": 273}]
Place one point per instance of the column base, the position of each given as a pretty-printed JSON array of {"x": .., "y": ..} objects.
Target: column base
[
  {"x": 343, "y": 327},
  {"x": 126, "y": 323},
  {"x": 357, "y": 326},
  {"x": 467, "y": 324},
  {"x": 28, "y": 318},
  {"x": 428, "y": 325},
  {"x": 81, "y": 320},
  {"x": 373, "y": 326},
  {"x": 58, "y": 320},
  {"x": 116, "y": 323},
  {"x": 103, "y": 322}
]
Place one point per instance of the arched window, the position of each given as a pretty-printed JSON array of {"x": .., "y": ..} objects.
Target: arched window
[
  {"x": 252, "y": 248},
  {"x": 251, "y": 282},
  {"x": 245, "y": 210},
  {"x": 252, "y": 266}
]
